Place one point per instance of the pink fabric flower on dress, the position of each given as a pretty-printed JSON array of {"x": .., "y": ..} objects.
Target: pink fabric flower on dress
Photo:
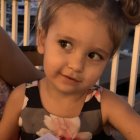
[
  {"x": 66, "y": 128},
  {"x": 96, "y": 93}
]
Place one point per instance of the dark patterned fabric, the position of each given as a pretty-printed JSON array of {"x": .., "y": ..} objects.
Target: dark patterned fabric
[{"x": 35, "y": 121}]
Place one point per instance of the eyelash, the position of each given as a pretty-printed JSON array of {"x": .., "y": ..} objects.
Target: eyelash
[
  {"x": 95, "y": 53},
  {"x": 63, "y": 43}
]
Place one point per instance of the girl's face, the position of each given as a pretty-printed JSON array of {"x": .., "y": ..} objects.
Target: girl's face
[{"x": 76, "y": 49}]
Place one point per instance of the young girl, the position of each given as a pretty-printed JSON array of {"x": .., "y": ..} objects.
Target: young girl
[{"x": 77, "y": 38}]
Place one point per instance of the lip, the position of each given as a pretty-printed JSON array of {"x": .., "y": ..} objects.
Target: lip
[{"x": 71, "y": 78}]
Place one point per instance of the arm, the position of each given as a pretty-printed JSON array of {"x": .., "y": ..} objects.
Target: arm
[
  {"x": 15, "y": 67},
  {"x": 9, "y": 129},
  {"x": 120, "y": 115}
]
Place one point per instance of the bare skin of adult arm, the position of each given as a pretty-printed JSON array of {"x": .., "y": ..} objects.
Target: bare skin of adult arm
[
  {"x": 120, "y": 115},
  {"x": 9, "y": 129},
  {"x": 15, "y": 67}
]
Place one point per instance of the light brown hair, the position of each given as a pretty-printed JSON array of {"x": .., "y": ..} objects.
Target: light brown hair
[{"x": 118, "y": 15}]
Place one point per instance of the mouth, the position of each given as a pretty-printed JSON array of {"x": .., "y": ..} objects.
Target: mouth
[{"x": 71, "y": 78}]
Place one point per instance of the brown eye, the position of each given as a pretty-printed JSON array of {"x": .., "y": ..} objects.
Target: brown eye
[
  {"x": 65, "y": 44},
  {"x": 94, "y": 56}
]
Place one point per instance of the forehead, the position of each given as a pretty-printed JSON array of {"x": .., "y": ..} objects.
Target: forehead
[
  {"x": 75, "y": 11},
  {"x": 82, "y": 24}
]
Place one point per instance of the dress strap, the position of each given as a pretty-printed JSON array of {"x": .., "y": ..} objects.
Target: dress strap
[
  {"x": 32, "y": 84},
  {"x": 96, "y": 92}
]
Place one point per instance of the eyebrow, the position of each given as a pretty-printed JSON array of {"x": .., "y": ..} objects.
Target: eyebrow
[
  {"x": 66, "y": 37},
  {"x": 96, "y": 48}
]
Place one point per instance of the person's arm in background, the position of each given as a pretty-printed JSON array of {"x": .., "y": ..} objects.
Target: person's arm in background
[{"x": 15, "y": 67}]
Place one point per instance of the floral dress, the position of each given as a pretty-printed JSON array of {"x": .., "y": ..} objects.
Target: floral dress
[{"x": 36, "y": 123}]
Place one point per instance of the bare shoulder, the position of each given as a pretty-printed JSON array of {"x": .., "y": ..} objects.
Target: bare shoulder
[
  {"x": 9, "y": 124},
  {"x": 16, "y": 97},
  {"x": 110, "y": 102},
  {"x": 14, "y": 102},
  {"x": 116, "y": 111}
]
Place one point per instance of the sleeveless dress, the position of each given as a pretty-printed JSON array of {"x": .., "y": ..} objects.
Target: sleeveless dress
[{"x": 35, "y": 121}]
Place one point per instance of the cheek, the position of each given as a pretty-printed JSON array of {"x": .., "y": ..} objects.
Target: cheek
[
  {"x": 92, "y": 78},
  {"x": 94, "y": 73},
  {"x": 53, "y": 62}
]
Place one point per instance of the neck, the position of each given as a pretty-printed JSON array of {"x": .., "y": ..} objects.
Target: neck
[
  {"x": 70, "y": 104},
  {"x": 56, "y": 94}
]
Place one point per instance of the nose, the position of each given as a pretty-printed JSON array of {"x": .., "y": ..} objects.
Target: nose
[{"x": 76, "y": 63}]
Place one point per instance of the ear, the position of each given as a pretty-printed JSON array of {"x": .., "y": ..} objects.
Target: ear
[{"x": 40, "y": 41}]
